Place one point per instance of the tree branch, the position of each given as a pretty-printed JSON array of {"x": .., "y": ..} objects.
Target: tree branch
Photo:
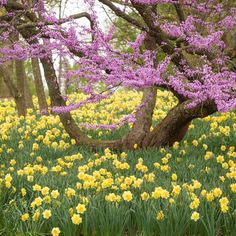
[
  {"x": 61, "y": 21},
  {"x": 123, "y": 15},
  {"x": 179, "y": 12}
]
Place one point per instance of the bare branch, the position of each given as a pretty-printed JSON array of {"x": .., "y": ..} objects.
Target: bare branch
[
  {"x": 13, "y": 5},
  {"x": 180, "y": 12},
  {"x": 61, "y": 21},
  {"x": 123, "y": 15}
]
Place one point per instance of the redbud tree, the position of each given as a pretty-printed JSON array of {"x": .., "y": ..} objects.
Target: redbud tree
[{"x": 198, "y": 68}]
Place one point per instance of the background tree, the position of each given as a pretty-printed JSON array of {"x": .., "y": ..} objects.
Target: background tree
[
  {"x": 20, "y": 74},
  {"x": 15, "y": 92},
  {"x": 38, "y": 80},
  {"x": 23, "y": 83}
]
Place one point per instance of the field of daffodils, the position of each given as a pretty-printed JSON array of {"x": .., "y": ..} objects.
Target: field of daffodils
[{"x": 50, "y": 186}]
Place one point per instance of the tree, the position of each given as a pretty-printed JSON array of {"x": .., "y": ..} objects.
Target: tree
[
  {"x": 198, "y": 65},
  {"x": 14, "y": 90},
  {"x": 43, "y": 107},
  {"x": 16, "y": 81},
  {"x": 23, "y": 84}
]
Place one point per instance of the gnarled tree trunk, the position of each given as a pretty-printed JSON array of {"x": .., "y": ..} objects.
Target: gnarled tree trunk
[
  {"x": 66, "y": 118},
  {"x": 175, "y": 125},
  {"x": 142, "y": 125}
]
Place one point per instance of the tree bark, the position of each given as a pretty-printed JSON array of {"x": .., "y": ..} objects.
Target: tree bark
[
  {"x": 4, "y": 92},
  {"x": 39, "y": 86},
  {"x": 15, "y": 92},
  {"x": 175, "y": 125},
  {"x": 22, "y": 83},
  {"x": 142, "y": 125},
  {"x": 28, "y": 94}
]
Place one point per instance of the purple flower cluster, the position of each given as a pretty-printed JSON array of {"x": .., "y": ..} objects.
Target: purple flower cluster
[{"x": 3, "y": 2}]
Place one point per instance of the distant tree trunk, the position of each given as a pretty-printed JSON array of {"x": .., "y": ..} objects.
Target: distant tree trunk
[
  {"x": 22, "y": 83},
  {"x": 28, "y": 94},
  {"x": 22, "y": 80},
  {"x": 61, "y": 80},
  {"x": 39, "y": 86},
  {"x": 15, "y": 92},
  {"x": 4, "y": 91}
]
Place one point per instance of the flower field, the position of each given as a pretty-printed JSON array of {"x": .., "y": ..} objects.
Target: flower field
[{"x": 49, "y": 186}]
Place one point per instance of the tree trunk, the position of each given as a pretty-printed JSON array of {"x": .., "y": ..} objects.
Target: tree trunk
[
  {"x": 22, "y": 83},
  {"x": 39, "y": 86},
  {"x": 28, "y": 94},
  {"x": 175, "y": 125},
  {"x": 4, "y": 91},
  {"x": 15, "y": 93},
  {"x": 68, "y": 122},
  {"x": 142, "y": 125}
]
